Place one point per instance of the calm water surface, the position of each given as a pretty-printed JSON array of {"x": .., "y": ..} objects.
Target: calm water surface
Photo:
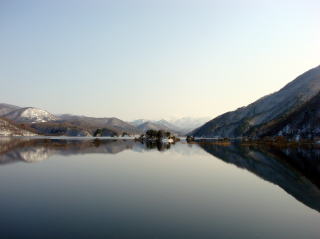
[{"x": 122, "y": 189}]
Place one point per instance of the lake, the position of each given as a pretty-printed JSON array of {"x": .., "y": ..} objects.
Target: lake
[{"x": 61, "y": 188}]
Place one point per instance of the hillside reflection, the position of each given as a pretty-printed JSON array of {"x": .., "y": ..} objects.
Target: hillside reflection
[
  {"x": 33, "y": 150},
  {"x": 295, "y": 170}
]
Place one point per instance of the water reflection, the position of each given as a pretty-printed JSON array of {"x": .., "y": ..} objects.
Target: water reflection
[
  {"x": 295, "y": 170},
  {"x": 34, "y": 150}
]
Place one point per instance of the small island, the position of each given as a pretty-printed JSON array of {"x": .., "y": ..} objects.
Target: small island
[{"x": 158, "y": 136}]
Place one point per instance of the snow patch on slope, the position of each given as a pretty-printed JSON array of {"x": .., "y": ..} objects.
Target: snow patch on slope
[
  {"x": 30, "y": 115},
  {"x": 8, "y": 129}
]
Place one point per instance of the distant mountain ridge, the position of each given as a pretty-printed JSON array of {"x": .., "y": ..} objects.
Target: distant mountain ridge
[
  {"x": 111, "y": 125},
  {"x": 187, "y": 124},
  {"x": 247, "y": 121},
  {"x": 145, "y": 125},
  {"x": 180, "y": 125},
  {"x": 154, "y": 126},
  {"x": 44, "y": 123},
  {"x": 38, "y": 121}
]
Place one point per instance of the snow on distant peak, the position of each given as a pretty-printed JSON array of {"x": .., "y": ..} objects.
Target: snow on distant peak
[{"x": 31, "y": 115}]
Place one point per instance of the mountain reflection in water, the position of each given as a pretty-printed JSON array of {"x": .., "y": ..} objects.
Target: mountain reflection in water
[
  {"x": 295, "y": 170},
  {"x": 33, "y": 150}
]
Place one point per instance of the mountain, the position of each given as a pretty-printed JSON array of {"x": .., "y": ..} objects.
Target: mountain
[
  {"x": 138, "y": 122},
  {"x": 111, "y": 126},
  {"x": 45, "y": 123},
  {"x": 6, "y": 108},
  {"x": 168, "y": 124},
  {"x": 180, "y": 125},
  {"x": 161, "y": 122},
  {"x": 246, "y": 121},
  {"x": 303, "y": 122},
  {"x": 30, "y": 115},
  {"x": 187, "y": 124},
  {"x": 152, "y": 125},
  {"x": 59, "y": 129},
  {"x": 145, "y": 125},
  {"x": 8, "y": 128},
  {"x": 37, "y": 121}
]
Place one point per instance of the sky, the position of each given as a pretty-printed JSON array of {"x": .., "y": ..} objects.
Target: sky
[{"x": 153, "y": 59}]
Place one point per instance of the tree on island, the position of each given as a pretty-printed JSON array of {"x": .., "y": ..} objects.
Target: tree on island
[
  {"x": 98, "y": 133},
  {"x": 114, "y": 134},
  {"x": 157, "y": 135},
  {"x": 151, "y": 133}
]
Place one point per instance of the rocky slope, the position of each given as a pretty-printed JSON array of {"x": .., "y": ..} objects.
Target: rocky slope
[
  {"x": 8, "y": 128},
  {"x": 303, "y": 122},
  {"x": 244, "y": 121}
]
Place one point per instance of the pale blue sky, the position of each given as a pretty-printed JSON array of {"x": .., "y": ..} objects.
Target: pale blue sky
[{"x": 153, "y": 59}]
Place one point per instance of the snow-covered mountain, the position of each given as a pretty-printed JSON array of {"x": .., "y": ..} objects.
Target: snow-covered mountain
[
  {"x": 30, "y": 115},
  {"x": 273, "y": 107}
]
